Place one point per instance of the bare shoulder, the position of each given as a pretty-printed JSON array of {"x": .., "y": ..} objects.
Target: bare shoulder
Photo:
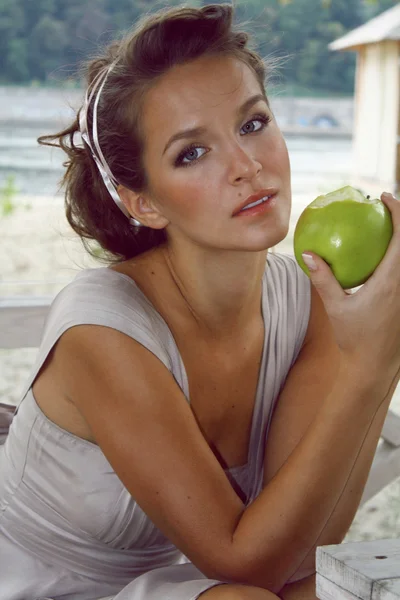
[
  {"x": 49, "y": 385},
  {"x": 142, "y": 422}
]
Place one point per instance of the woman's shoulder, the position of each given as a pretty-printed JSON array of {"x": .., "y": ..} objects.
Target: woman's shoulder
[
  {"x": 288, "y": 294},
  {"x": 103, "y": 296},
  {"x": 102, "y": 288}
]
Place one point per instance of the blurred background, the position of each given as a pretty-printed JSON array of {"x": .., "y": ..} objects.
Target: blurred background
[{"x": 335, "y": 95}]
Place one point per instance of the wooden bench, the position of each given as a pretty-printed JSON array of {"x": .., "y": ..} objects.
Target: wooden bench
[
  {"x": 21, "y": 324},
  {"x": 351, "y": 571}
]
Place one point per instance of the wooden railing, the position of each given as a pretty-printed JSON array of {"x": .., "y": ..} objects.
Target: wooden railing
[
  {"x": 347, "y": 571},
  {"x": 22, "y": 319}
]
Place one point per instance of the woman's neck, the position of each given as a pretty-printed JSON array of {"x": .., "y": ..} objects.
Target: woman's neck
[{"x": 220, "y": 293}]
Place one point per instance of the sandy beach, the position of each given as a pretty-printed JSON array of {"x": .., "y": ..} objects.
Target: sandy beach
[{"x": 39, "y": 255}]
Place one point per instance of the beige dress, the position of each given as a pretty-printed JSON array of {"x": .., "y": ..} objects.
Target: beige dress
[{"x": 69, "y": 529}]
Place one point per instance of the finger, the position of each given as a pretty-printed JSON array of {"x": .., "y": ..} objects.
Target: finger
[
  {"x": 389, "y": 267},
  {"x": 393, "y": 205},
  {"x": 323, "y": 279}
]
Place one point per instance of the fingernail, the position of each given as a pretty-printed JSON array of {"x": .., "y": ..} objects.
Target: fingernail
[{"x": 310, "y": 262}]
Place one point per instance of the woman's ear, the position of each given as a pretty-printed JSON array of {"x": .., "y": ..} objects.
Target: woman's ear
[{"x": 140, "y": 208}]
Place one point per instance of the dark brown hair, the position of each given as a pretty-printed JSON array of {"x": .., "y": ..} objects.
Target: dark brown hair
[{"x": 158, "y": 42}]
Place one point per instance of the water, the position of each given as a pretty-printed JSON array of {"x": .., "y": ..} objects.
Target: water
[
  {"x": 36, "y": 170},
  {"x": 25, "y": 114}
]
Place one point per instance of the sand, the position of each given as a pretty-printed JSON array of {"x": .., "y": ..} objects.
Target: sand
[{"x": 40, "y": 252}]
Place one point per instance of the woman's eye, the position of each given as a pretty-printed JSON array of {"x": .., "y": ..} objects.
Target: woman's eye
[
  {"x": 191, "y": 152},
  {"x": 263, "y": 119}
]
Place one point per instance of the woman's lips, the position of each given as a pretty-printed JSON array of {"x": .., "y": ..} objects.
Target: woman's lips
[
  {"x": 260, "y": 209},
  {"x": 263, "y": 193}
]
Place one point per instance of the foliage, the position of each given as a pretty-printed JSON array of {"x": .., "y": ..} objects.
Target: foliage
[
  {"x": 47, "y": 40},
  {"x": 7, "y": 194}
]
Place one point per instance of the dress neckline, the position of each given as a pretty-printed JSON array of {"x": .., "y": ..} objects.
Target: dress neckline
[{"x": 258, "y": 395}]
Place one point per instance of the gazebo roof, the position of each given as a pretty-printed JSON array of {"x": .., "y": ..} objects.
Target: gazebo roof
[{"x": 384, "y": 27}]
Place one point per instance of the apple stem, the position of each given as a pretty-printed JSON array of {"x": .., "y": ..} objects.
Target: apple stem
[{"x": 368, "y": 197}]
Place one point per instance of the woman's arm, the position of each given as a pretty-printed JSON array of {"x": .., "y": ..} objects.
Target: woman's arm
[
  {"x": 309, "y": 383},
  {"x": 144, "y": 425},
  {"x": 306, "y": 490}
]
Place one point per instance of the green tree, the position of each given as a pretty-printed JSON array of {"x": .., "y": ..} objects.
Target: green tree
[
  {"x": 12, "y": 23},
  {"x": 47, "y": 42},
  {"x": 45, "y": 39},
  {"x": 16, "y": 61},
  {"x": 374, "y": 7},
  {"x": 34, "y": 11}
]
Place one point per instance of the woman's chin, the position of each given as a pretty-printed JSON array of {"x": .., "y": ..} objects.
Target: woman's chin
[{"x": 270, "y": 240}]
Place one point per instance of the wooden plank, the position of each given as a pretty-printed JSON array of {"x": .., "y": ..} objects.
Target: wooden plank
[
  {"x": 387, "y": 589},
  {"x": 22, "y": 319},
  {"x": 327, "y": 590},
  {"x": 356, "y": 566},
  {"x": 385, "y": 469},
  {"x": 391, "y": 429}
]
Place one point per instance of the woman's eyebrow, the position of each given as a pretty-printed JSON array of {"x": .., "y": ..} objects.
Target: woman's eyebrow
[{"x": 187, "y": 133}]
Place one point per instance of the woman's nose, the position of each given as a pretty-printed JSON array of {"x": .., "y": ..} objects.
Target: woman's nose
[{"x": 243, "y": 165}]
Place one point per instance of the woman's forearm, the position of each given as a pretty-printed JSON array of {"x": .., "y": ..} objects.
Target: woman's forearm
[
  {"x": 281, "y": 527},
  {"x": 342, "y": 517}
]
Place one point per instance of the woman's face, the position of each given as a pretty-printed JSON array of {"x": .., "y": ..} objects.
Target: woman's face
[{"x": 199, "y": 181}]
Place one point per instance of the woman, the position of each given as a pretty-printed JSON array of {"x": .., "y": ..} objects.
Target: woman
[{"x": 200, "y": 417}]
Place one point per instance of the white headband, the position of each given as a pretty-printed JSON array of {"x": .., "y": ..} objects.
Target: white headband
[{"x": 109, "y": 180}]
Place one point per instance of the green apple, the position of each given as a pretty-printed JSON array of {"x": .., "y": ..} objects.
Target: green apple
[{"x": 349, "y": 231}]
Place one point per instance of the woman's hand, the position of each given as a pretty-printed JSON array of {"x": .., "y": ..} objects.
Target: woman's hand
[{"x": 366, "y": 323}]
